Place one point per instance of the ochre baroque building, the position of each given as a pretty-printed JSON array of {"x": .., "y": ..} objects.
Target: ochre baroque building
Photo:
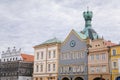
[
  {"x": 46, "y": 60},
  {"x": 115, "y": 62}
]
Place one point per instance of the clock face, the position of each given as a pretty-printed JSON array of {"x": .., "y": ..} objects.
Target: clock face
[{"x": 72, "y": 43}]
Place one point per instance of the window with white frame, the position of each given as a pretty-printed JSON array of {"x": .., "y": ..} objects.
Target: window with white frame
[
  {"x": 42, "y": 55},
  {"x": 77, "y": 55},
  {"x": 97, "y": 56},
  {"x": 114, "y": 52},
  {"x": 103, "y": 56},
  {"x": 70, "y": 69},
  {"x": 61, "y": 69},
  {"x": 82, "y": 68},
  {"x": 114, "y": 65},
  {"x": 48, "y": 67},
  {"x": 37, "y": 56},
  {"x": 37, "y": 68},
  {"x": 71, "y": 53},
  {"x": 82, "y": 54},
  {"x": 54, "y": 67},
  {"x": 104, "y": 69},
  {"x": 41, "y": 68},
  {"x": 74, "y": 68},
  {"x": 49, "y": 54},
  {"x": 54, "y": 53},
  {"x": 68, "y": 55},
  {"x": 92, "y": 69},
  {"x": 92, "y": 57},
  {"x": 97, "y": 69}
]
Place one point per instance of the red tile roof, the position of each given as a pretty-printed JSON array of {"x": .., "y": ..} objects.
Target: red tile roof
[
  {"x": 109, "y": 43},
  {"x": 27, "y": 57}
]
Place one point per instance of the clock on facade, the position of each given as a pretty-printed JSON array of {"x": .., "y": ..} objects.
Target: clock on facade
[{"x": 72, "y": 43}]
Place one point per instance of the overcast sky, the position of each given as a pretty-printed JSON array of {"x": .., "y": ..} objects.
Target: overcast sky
[{"x": 26, "y": 23}]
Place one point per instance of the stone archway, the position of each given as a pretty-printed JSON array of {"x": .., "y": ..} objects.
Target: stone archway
[
  {"x": 78, "y": 78},
  {"x": 118, "y": 78},
  {"x": 98, "y": 78},
  {"x": 65, "y": 78}
]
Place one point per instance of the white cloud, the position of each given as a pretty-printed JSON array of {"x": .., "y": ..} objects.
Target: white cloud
[{"x": 25, "y": 23}]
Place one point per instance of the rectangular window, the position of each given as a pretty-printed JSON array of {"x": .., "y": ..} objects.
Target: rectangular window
[
  {"x": 49, "y": 54},
  {"x": 54, "y": 54},
  {"x": 82, "y": 68},
  {"x": 114, "y": 52},
  {"x": 114, "y": 64},
  {"x": 103, "y": 56},
  {"x": 92, "y": 69},
  {"x": 61, "y": 69},
  {"x": 103, "y": 68},
  {"x": 82, "y": 54},
  {"x": 98, "y": 69},
  {"x": 41, "y": 68},
  {"x": 53, "y": 67},
  {"x": 37, "y": 55},
  {"x": 74, "y": 68},
  {"x": 41, "y": 55},
  {"x": 91, "y": 57},
  {"x": 97, "y": 56},
  {"x": 37, "y": 68},
  {"x": 48, "y": 67}
]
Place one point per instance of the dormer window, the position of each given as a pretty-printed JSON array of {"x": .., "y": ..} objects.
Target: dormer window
[{"x": 114, "y": 52}]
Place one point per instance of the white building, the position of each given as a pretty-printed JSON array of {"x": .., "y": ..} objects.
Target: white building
[
  {"x": 46, "y": 60},
  {"x": 16, "y": 65}
]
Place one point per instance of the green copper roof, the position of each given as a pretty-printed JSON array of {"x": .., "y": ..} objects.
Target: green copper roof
[
  {"x": 90, "y": 33},
  {"x": 81, "y": 35},
  {"x": 88, "y": 17},
  {"x": 52, "y": 41},
  {"x": 88, "y": 30}
]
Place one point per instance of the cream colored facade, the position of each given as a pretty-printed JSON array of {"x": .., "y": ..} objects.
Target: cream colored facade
[
  {"x": 98, "y": 61},
  {"x": 46, "y": 61}
]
